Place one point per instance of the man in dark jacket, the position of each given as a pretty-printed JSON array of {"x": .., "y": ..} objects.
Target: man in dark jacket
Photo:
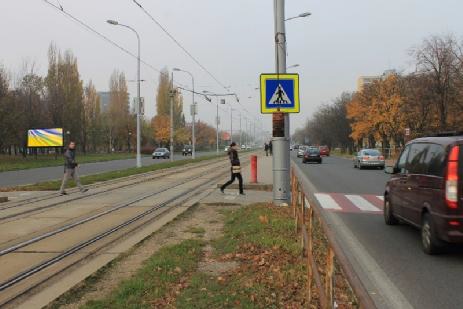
[
  {"x": 235, "y": 168},
  {"x": 70, "y": 170}
]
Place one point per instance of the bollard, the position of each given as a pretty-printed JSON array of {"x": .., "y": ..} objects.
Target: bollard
[{"x": 253, "y": 169}]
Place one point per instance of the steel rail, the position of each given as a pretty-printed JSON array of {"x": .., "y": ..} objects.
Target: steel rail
[
  {"x": 94, "y": 194},
  {"x": 91, "y": 218},
  {"x": 151, "y": 174},
  {"x": 37, "y": 268}
]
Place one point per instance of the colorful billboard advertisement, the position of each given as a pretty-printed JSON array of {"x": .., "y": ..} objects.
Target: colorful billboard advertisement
[{"x": 45, "y": 137}]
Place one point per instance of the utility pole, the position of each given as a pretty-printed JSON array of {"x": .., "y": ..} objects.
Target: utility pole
[
  {"x": 217, "y": 121},
  {"x": 280, "y": 140},
  {"x": 241, "y": 132},
  {"x": 231, "y": 124},
  {"x": 172, "y": 94}
]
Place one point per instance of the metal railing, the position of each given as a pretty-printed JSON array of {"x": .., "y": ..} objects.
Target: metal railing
[{"x": 330, "y": 274}]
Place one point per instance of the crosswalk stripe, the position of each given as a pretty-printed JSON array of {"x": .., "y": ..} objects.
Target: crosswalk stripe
[
  {"x": 361, "y": 203},
  {"x": 380, "y": 197},
  {"x": 326, "y": 201}
]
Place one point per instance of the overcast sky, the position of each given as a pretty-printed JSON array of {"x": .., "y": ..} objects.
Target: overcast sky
[{"x": 233, "y": 39}]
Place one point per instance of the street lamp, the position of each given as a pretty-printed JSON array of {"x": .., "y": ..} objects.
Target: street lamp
[
  {"x": 293, "y": 66},
  {"x": 302, "y": 15},
  {"x": 193, "y": 137},
  {"x": 116, "y": 23}
]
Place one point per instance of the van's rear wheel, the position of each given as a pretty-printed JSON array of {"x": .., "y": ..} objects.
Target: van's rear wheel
[
  {"x": 429, "y": 240},
  {"x": 388, "y": 213}
]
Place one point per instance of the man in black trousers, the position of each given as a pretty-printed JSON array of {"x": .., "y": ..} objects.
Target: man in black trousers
[
  {"x": 70, "y": 169},
  {"x": 235, "y": 168}
]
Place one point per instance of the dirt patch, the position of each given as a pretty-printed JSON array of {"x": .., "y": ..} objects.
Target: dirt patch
[
  {"x": 203, "y": 222},
  {"x": 211, "y": 266}
]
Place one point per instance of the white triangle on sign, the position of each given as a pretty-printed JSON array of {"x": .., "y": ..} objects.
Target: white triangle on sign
[{"x": 280, "y": 97}]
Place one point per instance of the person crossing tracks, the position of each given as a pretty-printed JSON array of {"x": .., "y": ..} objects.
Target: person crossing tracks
[
  {"x": 235, "y": 168},
  {"x": 70, "y": 169}
]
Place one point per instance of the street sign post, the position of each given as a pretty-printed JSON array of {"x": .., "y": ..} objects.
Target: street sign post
[{"x": 279, "y": 93}]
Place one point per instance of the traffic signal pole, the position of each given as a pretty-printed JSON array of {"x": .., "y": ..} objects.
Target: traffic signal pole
[{"x": 280, "y": 121}]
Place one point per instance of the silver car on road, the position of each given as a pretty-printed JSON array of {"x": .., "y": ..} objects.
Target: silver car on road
[
  {"x": 301, "y": 150},
  {"x": 369, "y": 158}
]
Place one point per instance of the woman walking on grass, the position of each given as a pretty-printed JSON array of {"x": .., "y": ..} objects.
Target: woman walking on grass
[{"x": 235, "y": 168}]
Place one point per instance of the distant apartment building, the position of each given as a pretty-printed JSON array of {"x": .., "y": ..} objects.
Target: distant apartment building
[
  {"x": 363, "y": 81},
  {"x": 104, "y": 100}
]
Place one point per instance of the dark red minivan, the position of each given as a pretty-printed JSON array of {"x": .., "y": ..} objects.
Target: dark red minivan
[{"x": 426, "y": 190}]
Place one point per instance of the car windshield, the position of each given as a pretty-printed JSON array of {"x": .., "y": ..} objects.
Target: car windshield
[
  {"x": 161, "y": 150},
  {"x": 313, "y": 151},
  {"x": 371, "y": 152}
]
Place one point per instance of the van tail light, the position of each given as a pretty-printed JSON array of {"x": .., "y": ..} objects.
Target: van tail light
[
  {"x": 381, "y": 158},
  {"x": 365, "y": 158},
  {"x": 451, "y": 179}
]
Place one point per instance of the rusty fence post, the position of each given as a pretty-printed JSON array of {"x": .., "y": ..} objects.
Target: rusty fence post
[
  {"x": 309, "y": 253},
  {"x": 329, "y": 276}
]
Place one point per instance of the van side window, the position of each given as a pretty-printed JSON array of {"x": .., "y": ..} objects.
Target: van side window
[
  {"x": 402, "y": 160},
  {"x": 434, "y": 160},
  {"x": 415, "y": 163}
]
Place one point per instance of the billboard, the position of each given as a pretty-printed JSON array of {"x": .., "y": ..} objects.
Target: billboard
[
  {"x": 45, "y": 137},
  {"x": 225, "y": 136}
]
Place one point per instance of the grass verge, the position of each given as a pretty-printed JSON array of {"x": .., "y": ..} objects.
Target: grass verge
[
  {"x": 15, "y": 163},
  {"x": 261, "y": 240},
  {"x": 159, "y": 277},
  {"x": 90, "y": 179}
]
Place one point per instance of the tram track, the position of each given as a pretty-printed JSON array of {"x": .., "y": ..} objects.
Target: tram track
[
  {"x": 148, "y": 216},
  {"x": 150, "y": 176}
]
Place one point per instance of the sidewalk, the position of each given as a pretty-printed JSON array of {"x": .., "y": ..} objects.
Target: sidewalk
[{"x": 255, "y": 193}]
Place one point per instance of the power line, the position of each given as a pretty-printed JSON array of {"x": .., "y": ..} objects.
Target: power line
[
  {"x": 185, "y": 50},
  {"x": 60, "y": 9},
  {"x": 178, "y": 43}
]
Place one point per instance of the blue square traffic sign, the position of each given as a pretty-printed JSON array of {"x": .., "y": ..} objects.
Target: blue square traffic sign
[{"x": 279, "y": 93}]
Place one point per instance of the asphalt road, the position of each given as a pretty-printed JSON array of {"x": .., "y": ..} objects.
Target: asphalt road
[
  {"x": 423, "y": 281},
  {"x": 31, "y": 176}
]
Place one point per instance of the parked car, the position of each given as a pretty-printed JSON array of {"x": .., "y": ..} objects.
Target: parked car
[
  {"x": 312, "y": 155},
  {"x": 291, "y": 147},
  {"x": 226, "y": 148},
  {"x": 161, "y": 153},
  {"x": 187, "y": 150},
  {"x": 243, "y": 146},
  {"x": 296, "y": 147},
  {"x": 324, "y": 151},
  {"x": 426, "y": 190},
  {"x": 300, "y": 151},
  {"x": 369, "y": 158}
]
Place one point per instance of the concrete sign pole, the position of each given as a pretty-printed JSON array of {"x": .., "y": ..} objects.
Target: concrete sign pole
[{"x": 280, "y": 140}]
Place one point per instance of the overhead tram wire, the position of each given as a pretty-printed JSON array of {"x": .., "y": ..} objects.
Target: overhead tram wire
[
  {"x": 60, "y": 9},
  {"x": 185, "y": 50}
]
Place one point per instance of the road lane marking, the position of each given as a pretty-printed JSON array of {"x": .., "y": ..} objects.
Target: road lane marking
[
  {"x": 361, "y": 203},
  {"x": 326, "y": 201}
]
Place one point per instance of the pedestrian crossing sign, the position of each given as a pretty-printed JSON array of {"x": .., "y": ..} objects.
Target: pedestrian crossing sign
[{"x": 279, "y": 93}]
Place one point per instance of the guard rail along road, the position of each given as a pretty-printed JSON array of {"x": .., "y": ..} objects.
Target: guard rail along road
[{"x": 332, "y": 282}]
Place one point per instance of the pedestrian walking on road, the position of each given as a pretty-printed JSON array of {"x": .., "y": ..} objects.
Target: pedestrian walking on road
[
  {"x": 235, "y": 168},
  {"x": 270, "y": 148},
  {"x": 266, "y": 149},
  {"x": 70, "y": 169}
]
